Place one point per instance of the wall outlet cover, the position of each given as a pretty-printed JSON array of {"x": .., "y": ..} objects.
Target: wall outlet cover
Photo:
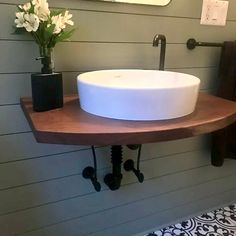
[{"x": 214, "y": 12}]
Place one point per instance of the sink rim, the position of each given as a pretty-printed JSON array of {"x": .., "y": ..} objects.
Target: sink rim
[{"x": 188, "y": 80}]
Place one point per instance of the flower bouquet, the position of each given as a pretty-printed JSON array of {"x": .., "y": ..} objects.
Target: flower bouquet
[{"x": 47, "y": 28}]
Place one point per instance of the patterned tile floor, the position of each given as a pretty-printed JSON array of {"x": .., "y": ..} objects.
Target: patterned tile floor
[{"x": 221, "y": 222}]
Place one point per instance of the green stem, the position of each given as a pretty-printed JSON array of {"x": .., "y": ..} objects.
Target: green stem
[{"x": 46, "y": 54}]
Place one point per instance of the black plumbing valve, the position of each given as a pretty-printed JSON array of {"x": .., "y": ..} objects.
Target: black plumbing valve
[
  {"x": 89, "y": 173},
  {"x": 129, "y": 166}
]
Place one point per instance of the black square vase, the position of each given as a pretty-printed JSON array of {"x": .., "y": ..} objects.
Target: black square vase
[{"x": 47, "y": 91}]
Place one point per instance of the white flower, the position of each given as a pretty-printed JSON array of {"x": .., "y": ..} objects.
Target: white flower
[
  {"x": 41, "y": 9},
  {"x": 25, "y": 7},
  {"x": 66, "y": 18},
  {"x": 36, "y": 2},
  {"x": 56, "y": 30},
  {"x": 56, "y": 20},
  {"x": 60, "y": 22},
  {"x": 20, "y": 19},
  {"x": 31, "y": 22}
]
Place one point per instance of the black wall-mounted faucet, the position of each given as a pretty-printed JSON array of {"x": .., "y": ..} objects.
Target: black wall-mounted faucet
[{"x": 162, "y": 39}]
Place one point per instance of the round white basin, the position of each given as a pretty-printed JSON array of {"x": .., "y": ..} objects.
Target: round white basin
[{"x": 138, "y": 94}]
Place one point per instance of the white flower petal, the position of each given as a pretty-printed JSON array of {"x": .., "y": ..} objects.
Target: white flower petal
[
  {"x": 28, "y": 27},
  {"x": 26, "y": 6},
  {"x": 41, "y": 9},
  {"x": 36, "y": 2},
  {"x": 58, "y": 22},
  {"x": 19, "y": 21},
  {"x": 67, "y": 17},
  {"x": 56, "y": 30},
  {"x": 31, "y": 22},
  {"x": 70, "y": 22}
]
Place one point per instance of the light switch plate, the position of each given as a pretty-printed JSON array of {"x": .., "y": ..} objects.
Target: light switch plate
[{"x": 214, "y": 12}]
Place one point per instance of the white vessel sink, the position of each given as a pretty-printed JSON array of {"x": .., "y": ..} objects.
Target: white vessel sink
[{"x": 138, "y": 94}]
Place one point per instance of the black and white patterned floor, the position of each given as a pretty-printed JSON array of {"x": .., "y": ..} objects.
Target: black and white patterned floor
[{"x": 221, "y": 222}]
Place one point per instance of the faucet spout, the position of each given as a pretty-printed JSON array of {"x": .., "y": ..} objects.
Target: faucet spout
[{"x": 162, "y": 39}]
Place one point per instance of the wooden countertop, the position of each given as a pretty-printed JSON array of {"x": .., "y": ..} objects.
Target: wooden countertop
[{"x": 71, "y": 125}]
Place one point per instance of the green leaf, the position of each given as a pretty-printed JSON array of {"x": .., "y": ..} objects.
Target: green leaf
[
  {"x": 50, "y": 29},
  {"x": 57, "y": 12},
  {"x": 18, "y": 7},
  {"x": 31, "y": 10},
  {"x": 19, "y": 30},
  {"x": 48, "y": 34},
  {"x": 52, "y": 42},
  {"x": 36, "y": 38},
  {"x": 64, "y": 35}
]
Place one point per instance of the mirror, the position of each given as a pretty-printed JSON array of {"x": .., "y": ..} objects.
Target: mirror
[{"x": 146, "y": 2}]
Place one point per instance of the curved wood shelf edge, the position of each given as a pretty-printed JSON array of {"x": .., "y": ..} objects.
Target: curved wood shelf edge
[{"x": 71, "y": 125}]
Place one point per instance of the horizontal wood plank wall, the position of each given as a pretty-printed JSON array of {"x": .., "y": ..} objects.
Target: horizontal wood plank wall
[{"x": 42, "y": 192}]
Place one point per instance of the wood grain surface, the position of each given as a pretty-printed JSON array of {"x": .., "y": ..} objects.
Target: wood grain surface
[{"x": 72, "y": 125}]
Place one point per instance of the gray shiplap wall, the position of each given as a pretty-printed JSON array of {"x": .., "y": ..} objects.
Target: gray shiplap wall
[{"x": 42, "y": 192}]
